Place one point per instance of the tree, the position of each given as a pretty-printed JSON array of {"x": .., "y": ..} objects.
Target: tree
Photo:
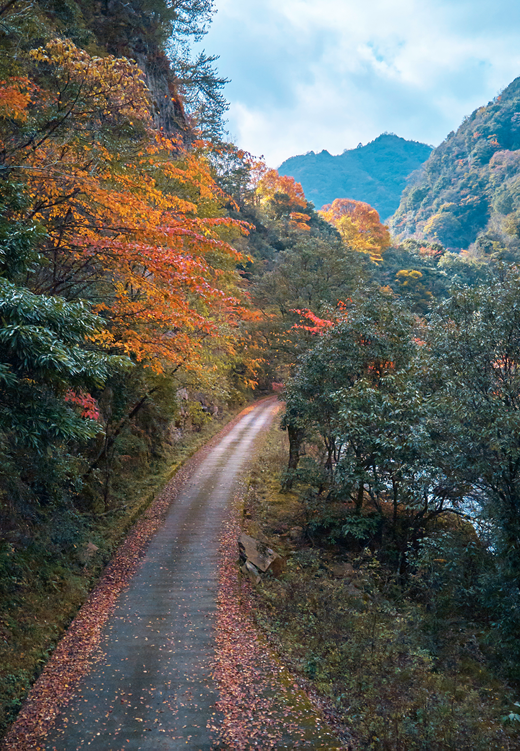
[
  {"x": 357, "y": 407},
  {"x": 132, "y": 221},
  {"x": 46, "y": 366},
  {"x": 359, "y": 226},
  {"x": 372, "y": 337},
  {"x": 283, "y": 197},
  {"x": 472, "y": 360},
  {"x": 389, "y": 456},
  {"x": 471, "y": 371},
  {"x": 106, "y": 219}
]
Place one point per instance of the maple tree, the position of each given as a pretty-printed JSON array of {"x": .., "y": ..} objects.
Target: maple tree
[
  {"x": 132, "y": 220},
  {"x": 359, "y": 226}
]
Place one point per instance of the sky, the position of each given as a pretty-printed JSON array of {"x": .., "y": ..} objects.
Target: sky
[{"x": 330, "y": 74}]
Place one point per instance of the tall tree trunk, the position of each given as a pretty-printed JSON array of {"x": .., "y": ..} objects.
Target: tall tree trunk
[
  {"x": 295, "y": 443},
  {"x": 360, "y": 496}
]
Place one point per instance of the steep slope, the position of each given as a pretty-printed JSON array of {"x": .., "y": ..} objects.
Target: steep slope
[
  {"x": 134, "y": 29},
  {"x": 375, "y": 173},
  {"x": 158, "y": 35},
  {"x": 471, "y": 182}
]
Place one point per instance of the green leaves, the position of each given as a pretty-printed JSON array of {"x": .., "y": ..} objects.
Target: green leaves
[
  {"x": 46, "y": 337},
  {"x": 44, "y": 352}
]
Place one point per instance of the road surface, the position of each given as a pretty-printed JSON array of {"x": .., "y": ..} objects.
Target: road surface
[{"x": 149, "y": 687}]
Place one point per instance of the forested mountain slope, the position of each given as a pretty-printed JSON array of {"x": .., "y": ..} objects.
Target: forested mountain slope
[
  {"x": 157, "y": 34},
  {"x": 469, "y": 188},
  {"x": 375, "y": 173},
  {"x": 120, "y": 298}
]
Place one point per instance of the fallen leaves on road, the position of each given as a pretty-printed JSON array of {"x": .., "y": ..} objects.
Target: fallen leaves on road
[
  {"x": 261, "y": 706},
  {"x": 77, "y": 649}
]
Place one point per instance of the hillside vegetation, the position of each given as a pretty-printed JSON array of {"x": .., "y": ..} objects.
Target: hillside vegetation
[
  {"x": 375, "y": 173},
  {"x": 120, "y": 298},
  {"x": 152, "y": 278},
  {"x": 469, "y": 189}
]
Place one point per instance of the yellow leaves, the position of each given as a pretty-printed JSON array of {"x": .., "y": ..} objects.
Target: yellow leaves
[
  {"x": 359, "y": 226},
  {"x": 271, "y": 184},
  {"x": 281, "y": 197},
  {"x": 408, "y": 277},
  {"x": 112, "y": 85},
  {"x": 103, "y": 338},
  {"x": 299, "y": 221}
]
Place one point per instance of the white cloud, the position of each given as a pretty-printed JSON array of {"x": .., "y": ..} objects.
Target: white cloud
[{"x": 309, "y": 74}]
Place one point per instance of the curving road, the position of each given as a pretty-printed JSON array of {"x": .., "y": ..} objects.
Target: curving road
[{"x": 149, "y": 687}]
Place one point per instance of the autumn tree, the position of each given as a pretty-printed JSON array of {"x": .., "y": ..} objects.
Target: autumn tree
[
  {"x": 359, "y": 226},
  {"x": 283, "y": 197},
  {"x": 133, "y": 223}
]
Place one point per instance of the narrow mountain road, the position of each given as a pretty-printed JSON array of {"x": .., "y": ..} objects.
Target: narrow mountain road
[
  {"x": 149, "y": 687},
  {"x": 134, "y": 670}
]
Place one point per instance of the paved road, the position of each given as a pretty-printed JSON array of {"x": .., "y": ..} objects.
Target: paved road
[{"x": 150, "y": 688}]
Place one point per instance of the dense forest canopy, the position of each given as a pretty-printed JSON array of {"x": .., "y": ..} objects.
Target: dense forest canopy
[{"x": 466, "y": 194}]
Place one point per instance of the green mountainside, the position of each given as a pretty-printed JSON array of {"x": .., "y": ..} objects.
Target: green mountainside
[
  {"x": 469, "y": 189},
  {"x": 375, "y": 173}
]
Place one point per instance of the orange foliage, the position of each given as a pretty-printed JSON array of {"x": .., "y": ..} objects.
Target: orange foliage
[
  {"x": 133, "y": 221},
  {"x": 282, "y": 196},
  {"x": 299, "y": 221},
  {"x": 15, "y": 96},
  {"x": 359, "y": 225},
  {"x": 272, "y": 183},
  {"x": 318, "y": 325}
]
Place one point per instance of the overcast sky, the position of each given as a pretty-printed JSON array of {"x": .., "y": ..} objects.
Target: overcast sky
[{"x": 328, "y": 74}]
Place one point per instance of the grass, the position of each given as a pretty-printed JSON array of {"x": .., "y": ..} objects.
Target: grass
[{"x": 399, "y": 678}]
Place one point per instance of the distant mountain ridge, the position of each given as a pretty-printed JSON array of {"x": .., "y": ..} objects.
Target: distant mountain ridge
[
  {"x": 375, "y": 173},
  {"x": 469, "y": 189}
]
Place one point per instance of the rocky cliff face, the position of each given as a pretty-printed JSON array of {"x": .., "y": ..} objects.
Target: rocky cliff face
[{"x": 134, "y": 29}]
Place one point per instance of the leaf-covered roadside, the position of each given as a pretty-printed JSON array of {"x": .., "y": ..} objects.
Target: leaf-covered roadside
[{"x": 261, "y": 705}]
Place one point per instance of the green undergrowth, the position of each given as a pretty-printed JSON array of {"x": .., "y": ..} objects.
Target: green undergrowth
[
  {"x": 403, "y": 670},
  {"x": 47, "y": 574}
]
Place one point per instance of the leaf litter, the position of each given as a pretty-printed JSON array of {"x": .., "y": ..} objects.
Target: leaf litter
[{"x": 261, "y": 705}]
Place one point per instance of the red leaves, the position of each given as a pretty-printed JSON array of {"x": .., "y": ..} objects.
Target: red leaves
[
  {"x": 319, "y": 325},
  {"x": 87, "y": 403},
  {"x": 72, "y": 657},
  {"x": 261, "y": 704}
]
